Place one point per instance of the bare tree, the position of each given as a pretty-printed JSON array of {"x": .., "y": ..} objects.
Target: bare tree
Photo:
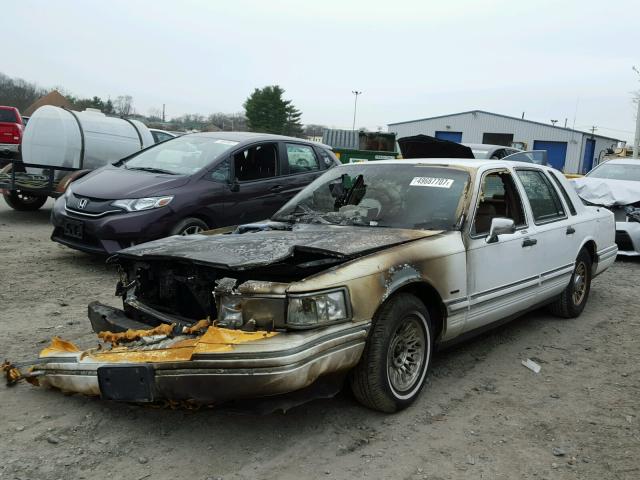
[{"x": 123, "y": 105}]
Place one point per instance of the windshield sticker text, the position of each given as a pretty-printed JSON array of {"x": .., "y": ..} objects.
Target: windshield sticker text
[{"x": 432, "y": 182}]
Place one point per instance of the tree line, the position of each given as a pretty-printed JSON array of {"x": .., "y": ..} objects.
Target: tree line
[{"x": 265, "y": 110}]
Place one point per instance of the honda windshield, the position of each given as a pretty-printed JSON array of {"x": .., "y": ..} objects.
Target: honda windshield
[
  {"x": 382, "y": 195},
  {"x": 180, "y": 156}
]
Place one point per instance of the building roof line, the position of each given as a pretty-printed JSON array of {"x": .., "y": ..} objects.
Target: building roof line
[{"x": 503, "y": 116}]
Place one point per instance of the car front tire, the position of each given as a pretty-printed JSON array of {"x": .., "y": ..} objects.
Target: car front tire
[
  {"x": 189, "y": 226},
  {"x": 573, "y": 299},
  {"x": 394, "y": 364}
]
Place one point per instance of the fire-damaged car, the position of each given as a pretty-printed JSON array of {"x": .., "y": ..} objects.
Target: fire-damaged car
[
  {"x": 359, "y": 277},
  {"x": 615, "y": 184}
]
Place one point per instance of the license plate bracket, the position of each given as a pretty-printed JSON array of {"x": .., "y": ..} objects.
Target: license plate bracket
[
  {"x": 73, "y": 228},
  {"x": 131, "y": 383}
]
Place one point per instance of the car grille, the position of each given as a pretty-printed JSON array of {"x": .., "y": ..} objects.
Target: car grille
[
  {"x": 623, "y": 240},
  {"x": 88, "y": 206}
]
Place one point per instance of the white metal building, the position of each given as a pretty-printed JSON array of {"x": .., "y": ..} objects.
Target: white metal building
[{"x": 571, "y": 151}]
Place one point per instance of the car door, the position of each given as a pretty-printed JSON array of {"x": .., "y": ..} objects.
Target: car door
[
  {"x": 555, "y": 234},
  {"x": 257, "y": 186},
  {"x": 301, "y": 166},
  {"x": 503, "y": 275}
]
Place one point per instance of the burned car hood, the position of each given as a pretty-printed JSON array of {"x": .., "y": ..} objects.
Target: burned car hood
[
  {"x": 259, "y": 248},
  {"x": 424, "y": 146},
  {"x": 607, "y": 192}
]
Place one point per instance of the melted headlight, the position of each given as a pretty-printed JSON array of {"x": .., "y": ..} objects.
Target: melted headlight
[
  {"x": 239, "y": 311},
  {"x": 317, "y": 309}
]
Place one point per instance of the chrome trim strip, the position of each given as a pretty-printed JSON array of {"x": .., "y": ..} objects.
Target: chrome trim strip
[
  {"x": 604, "y": 251},
  {"x": 93, "y": 215},
  {"x": 504, "y": 287}
]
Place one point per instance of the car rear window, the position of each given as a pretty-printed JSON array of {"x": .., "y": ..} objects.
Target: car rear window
[{"x": 8, "y": 116}]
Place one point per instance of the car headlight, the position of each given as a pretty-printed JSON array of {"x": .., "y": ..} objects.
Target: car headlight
[
  {"x": 137, "y": 204},
  {"x": 316, "y": 309}
]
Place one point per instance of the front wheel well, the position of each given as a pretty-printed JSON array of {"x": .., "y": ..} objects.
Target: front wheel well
[{"x": 431, "y": 299}]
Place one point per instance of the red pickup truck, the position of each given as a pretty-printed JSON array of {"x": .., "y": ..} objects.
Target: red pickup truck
[{"x": 11, "y": 128}]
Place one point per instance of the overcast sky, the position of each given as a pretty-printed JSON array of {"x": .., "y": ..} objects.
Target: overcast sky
[{"x": 411, "y": 59}]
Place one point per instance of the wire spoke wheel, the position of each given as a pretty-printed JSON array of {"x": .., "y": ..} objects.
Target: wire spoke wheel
[
  {"x": 579, "y": 283},
  {"x": 406, "y": 354}
]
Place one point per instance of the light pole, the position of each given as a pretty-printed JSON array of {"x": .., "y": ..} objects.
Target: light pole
[
  {"x": 355, "y": 106},
  {"x": 636, "y": 140}
]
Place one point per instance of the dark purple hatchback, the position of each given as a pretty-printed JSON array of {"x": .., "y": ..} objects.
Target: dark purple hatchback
[{"x": 186, "y": 185}]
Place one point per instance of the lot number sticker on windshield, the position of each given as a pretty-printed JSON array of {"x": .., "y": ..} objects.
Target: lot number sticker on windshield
[{"x": 432, "y": 182}]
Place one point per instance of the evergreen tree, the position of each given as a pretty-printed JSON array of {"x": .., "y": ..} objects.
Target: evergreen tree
[{"x": 268, "y": 112}]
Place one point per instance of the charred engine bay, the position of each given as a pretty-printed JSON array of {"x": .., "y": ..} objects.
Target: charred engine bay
[{"x": 185, "y": 289}]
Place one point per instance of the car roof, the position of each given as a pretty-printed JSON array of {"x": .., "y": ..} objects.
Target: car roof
[
  {"x": 622, "y": 161},
  {"x": 484, "y": 146},
  {"x": 243, "y": 137},
  {"x": 466, "y": 163}
]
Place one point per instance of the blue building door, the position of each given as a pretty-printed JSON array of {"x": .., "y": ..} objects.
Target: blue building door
[
  {"x": 451, "y": 136},
  {"x": 589, "y": 152},
  {"x": 556, "y": 152}
]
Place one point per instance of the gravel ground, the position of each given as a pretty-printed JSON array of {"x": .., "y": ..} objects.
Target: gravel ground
[{"x": 482, "y": 414}]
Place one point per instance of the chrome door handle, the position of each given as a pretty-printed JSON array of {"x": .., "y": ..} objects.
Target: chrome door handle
[{"x": 529, "y": 242}]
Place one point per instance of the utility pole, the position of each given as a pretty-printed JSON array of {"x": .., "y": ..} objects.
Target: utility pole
[
  {"x": 163, "y": 113},
  {"x": 355, "y": 106},
  {"x": 593, "y": 130},
  {"x": 636, "y": 140}
]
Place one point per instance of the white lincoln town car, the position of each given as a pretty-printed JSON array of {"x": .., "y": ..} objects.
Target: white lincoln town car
[{"x": 357, "y": 279}]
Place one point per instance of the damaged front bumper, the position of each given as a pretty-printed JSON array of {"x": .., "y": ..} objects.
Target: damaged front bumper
[
  {"x": 218, "y": 366},
  {"x": 628, "y": 238}
]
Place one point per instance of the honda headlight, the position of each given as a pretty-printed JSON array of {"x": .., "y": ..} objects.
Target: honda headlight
[
  {"x": 137, "y": 204},
  {"x": 315, "y": 309}
]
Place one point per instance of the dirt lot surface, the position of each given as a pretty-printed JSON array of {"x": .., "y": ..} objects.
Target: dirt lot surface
[{"x": 482, "y": 415}]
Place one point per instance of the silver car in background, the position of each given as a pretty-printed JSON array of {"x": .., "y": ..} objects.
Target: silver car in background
[{"x": 615, "y": 185}]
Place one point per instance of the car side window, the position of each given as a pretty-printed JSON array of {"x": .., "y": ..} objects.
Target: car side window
[
  {"x": 327, "y": 159},
  {"x": 301, "y": 158},
  {"x": 221, "y": 172},
  {"x": 498, "y": 154},
  {"x": 543, "y": 198},
  {"x": 256, "y": 163},
  {"x": 498, "y": 198},
  {"x": 564, "y": 193}
]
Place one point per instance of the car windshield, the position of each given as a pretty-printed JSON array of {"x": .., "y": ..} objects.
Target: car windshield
[
  {"x": 477, "y": 153},
  {"x": 382, "y": 195},
  {"x": 180, "y": 156},
  {"x": 616, "y": 171}
]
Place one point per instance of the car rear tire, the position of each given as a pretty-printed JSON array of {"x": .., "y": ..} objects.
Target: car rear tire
[
  {"x": 24, "y": 202},
  {"x": 189, "y": 226},
  {"x": 573, "y": 299},
  {"x": 394, "y": 364}
]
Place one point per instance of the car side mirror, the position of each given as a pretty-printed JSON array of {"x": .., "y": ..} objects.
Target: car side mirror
[
  {"x": 500, "y": 226},
  {"x": 234, "y": 186}
]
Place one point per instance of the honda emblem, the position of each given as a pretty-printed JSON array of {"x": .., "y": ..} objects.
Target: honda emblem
[{"x": 82, "y": 203}]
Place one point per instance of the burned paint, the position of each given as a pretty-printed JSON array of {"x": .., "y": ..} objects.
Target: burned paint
[
  {"x": 197, "y": 327},
  {"x": 11, "y": 373},
  {"x": 131, "y": 335},
  {"x": 271, "y": 246},
  {"x": 58, "y": 346}
]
